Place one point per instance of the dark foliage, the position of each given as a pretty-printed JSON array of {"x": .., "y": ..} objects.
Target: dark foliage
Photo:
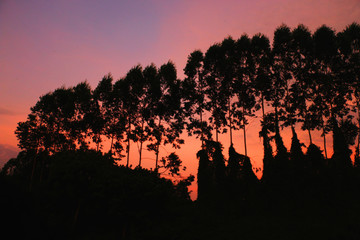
[{"x": 83, "y": 191}]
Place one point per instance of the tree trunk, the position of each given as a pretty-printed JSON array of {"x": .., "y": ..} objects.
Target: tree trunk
[
  {"x": 140, "y": 152},
  {"x": 112, "y": 143},
  {"x": 262, "y": 106},
  {"x": 277, "y": 128},
  {"x": 230, "y": 122},
  {"x": 310, "y": 136},
  {"x": 158, "y": 146},
  {"x": 128, "y": 145},
  {"x": 216, "y": 133},
  {"x": 200, "y": 106},
  {"x": 202, "y": 130},
  {"x": 323, "y": 125},
  {"x": 141, "y": 142},
  {"x": 244, "y": 121},
  {"x": 325, "y": 145}
]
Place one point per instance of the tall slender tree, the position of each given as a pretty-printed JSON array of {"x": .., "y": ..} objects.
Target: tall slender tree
[
  {"x": 243, "y": 85},
  {"x": 280, "y": 98},
  {"x": 143, "y": 129},
  {"x": 325, "y": 92},
  {"x": 349, "y": 46},
  {"x": 214, "y": 78},
  {"x": 104, "y": 95},
  {"x": 167, "y": 122},
  {"x": 227, "y": 68},
  {"x": 194, "y": 97},
  {"x": 302, "y": 72},
  {"x": 262, "y": 82},
  {"x": 261, "y": 55}
]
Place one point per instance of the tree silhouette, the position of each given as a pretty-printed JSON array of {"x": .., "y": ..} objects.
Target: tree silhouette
[
  {"x": 194, "y": 88},
  {"x": 297, "y": 156},
  {"x": 104, "y": 95},
  {"x": 260, "y": 48},
  {"x": 49, "y": 125},
  {"x": 211, "y": 172},
  {"x": 280, "y": 98},
  {"x": 269, "y": 164},
  {"x": 233, "y": 166},
  {"x": 227, "y": 68},
  {"x": 302, "y": 71},
  {"x": 324, "y": 91},
  {"x": 133, "y": 90},
  {"x": 243, "y": 85},
  {"x": 349, "y": 48},
  {"x": 85, "y": 117},
  {"x": 344, "y": 135},
  {"x": 204, "y": 175},
  {"x": 240, "y": 176},
  {"x": 166, "y": 108},
  {"x": 282, "y": 75},
  {"x": 214, "y": 80},
  {"x": 143, "y": 129},
  {"x": 262, "y": 79}
]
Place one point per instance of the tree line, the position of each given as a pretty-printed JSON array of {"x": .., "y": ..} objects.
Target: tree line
[{"x": 303, "y": 79}]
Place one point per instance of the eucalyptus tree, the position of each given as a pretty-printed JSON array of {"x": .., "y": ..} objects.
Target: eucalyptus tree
[
  {"x": 49, "y": 127},
  {"x": 166, "y": 109},
  {"x": 60, "y": 120},
  {"x": 227, "y": 71},
  {"x": 175, "y": 113},
  {"x": 176, "y": 122},
  {"x": 85, "y": 115},
  {"x": 329, "y": 93},
  {"x": 214, "y": 78},
  {"x": 108, "y": 95},
  {"x": 280, "y": 98},
  {"x": 349, "y": 46},
  {"x": 302, "y": 71},
  {"x": 262, "y": 75},
  {"x": 143, "y": 129},
  {"x": 194, "y": 97},
  {"x": 262, "y": 82},
  {"x": 243, "y": 86},
  {"x": 156, "y": 108},
  {"x": 133, "y": 102},
  {"x": 31, "y": 134},
  {"x": 106, "y": 121},
  {"x": 95, "y": 122},
  {"x": 54, "y": 113},
  {"x": 126, "y": 105}
]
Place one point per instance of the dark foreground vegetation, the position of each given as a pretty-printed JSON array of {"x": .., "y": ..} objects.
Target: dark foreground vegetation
[
  {"x": 84, "y": 195},
  {"x": 64, "y": 184}
]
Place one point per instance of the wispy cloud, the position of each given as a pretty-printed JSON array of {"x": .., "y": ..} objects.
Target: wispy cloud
[{"x": 7, "y": 112}]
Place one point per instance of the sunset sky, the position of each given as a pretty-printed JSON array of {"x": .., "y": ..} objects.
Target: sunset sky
[{"x": 48, "y": 44}]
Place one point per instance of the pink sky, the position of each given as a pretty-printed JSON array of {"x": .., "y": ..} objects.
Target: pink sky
[{"x": 47, "y": 44}]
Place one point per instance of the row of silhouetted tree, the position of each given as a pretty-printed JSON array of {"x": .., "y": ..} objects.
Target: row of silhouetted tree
[{"x": 304, "y": 79}]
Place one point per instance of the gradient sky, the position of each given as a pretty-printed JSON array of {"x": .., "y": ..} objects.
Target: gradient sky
[{"x": 48, "y": 44}]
